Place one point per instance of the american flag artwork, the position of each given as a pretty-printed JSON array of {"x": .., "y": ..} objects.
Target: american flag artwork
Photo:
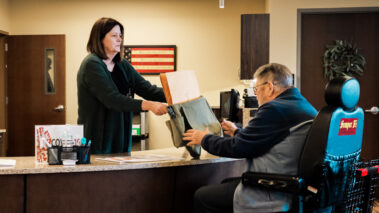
[{"x": 151, "y": 59}]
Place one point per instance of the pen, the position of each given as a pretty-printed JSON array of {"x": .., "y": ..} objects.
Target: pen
[
  {"x": 86, "y": 150},
  {"x": 83, "y": 141}
]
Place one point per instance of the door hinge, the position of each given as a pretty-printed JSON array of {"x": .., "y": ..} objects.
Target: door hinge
[
  {"x": 6, "y": 47},
  {"x": 6, "y": 100}
]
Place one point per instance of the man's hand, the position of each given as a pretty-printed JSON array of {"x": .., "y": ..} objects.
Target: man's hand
[
  {"x": 194, "y": 136},
  {"x": 228, "y": 127}
]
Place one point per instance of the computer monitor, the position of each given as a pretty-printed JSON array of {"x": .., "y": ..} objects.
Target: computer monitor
[{"x": 229, "y": 105}]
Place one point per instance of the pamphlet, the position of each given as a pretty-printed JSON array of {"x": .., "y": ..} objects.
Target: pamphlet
[
  {"x": 6, "y": 163},
  {"x": 141, "y": 158},
  {"x": 55, "y": 135}
]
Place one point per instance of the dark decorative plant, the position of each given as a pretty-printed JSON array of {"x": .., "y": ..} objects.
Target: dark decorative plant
[{"x": 343, "y": 59}]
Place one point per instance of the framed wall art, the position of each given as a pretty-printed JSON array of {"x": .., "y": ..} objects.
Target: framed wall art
[{"x": 151, "y": 59}]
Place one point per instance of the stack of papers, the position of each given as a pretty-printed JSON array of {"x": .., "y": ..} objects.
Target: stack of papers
[
  {"x": 4, "y": 163},
  {"x": 140, "y": 158},
  {"x": 180, "y": 86}
]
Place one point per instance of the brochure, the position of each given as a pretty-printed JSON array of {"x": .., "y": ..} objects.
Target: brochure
[
  {"x": 141, "y": 158},
  {"x": 6, "y": 163}
]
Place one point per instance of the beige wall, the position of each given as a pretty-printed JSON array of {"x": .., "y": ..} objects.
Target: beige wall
[
  {"x": 283, "y": 25},
  {"x": 207, "y": 38},
  {"x": 4, "y": 15}
]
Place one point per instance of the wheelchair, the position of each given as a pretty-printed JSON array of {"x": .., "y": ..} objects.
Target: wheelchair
[{"x": 330, "y": 177}]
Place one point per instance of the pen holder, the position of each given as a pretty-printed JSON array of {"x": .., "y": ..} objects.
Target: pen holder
[
  {"x": 84, "y": 155},
  {"x": 80, "y": 154},
  {"x": 54, "y": 155}
]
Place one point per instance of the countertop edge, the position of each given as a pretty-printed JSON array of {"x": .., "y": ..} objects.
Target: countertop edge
[{"x": 100, "y": 166}]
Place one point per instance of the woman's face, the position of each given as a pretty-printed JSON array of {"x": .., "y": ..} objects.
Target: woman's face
[{"x": 112, "y": 41}]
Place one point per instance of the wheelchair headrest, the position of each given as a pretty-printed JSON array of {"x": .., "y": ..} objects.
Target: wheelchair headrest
[{"x": 342, "y": 92}]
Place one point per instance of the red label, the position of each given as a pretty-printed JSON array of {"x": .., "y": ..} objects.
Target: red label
[{"x": 348, "y": 126}]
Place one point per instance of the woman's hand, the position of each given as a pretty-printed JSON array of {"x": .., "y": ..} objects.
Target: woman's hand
[
  {"x": 228, "y": 127},
  {"x": 157, "y": 108}
]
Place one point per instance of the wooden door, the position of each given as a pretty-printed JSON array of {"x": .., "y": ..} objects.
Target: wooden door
[
  {"x": 362, "y": 28},
  {"x": 36, "y": 86}
]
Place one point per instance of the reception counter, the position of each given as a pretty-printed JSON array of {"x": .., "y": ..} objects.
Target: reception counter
[{"x": 102, "y": 186}]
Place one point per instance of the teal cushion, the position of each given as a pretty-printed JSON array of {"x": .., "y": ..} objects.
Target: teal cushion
[{"x": 350, "y": 93}]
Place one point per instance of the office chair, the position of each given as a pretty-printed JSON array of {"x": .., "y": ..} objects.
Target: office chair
[{"x": 331, "y": 149}]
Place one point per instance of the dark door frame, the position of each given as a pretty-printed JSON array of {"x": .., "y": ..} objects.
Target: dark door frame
[
  {"x": 4, "y": 144},
  {"x": 300, "y": 12}
]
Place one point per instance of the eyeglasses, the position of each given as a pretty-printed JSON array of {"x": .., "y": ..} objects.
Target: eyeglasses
[{"x": 256, "y": 87}]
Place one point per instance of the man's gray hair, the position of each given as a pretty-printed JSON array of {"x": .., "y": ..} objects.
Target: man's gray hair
[{"x": 278, "y": 73}]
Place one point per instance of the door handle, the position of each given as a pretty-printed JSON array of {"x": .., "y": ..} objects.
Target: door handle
[
  {"x": 374, "y": 110},
  {"x": 59, "y": 108}
]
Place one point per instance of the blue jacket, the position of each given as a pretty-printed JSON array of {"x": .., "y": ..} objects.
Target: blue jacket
[
  {"x": 270, "y": 125},
  {"x": 266, "y": 147}
]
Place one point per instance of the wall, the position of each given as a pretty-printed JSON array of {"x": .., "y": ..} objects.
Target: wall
[
  {"x": 4, "y": 15},
  {"x": 207, "y": 38},
  {"x": 283, "y": 25}
]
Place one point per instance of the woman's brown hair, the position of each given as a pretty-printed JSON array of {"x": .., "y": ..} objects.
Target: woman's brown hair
[{"x": 95, "y": 42}]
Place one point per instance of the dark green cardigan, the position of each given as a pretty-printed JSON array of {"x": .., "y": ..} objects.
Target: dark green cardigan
[{"x": 106, "y": 113}]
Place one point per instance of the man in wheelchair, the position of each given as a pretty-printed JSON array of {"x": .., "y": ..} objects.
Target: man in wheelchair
[{"x": 271, "y": 143}]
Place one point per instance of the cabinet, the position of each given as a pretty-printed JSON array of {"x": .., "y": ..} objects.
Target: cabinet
[
  {"x": 254, "y": 43},
  {"x": 140, "y": 131}
]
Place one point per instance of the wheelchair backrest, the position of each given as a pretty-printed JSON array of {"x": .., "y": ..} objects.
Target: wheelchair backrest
[{"x": 334, "y": 141}]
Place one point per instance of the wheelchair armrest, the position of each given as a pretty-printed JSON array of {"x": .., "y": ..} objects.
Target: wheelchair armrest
[
  {"x": 231, "y": 179},
  {"x": 279, "y": 182}
]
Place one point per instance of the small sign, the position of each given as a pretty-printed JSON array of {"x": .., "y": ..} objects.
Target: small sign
[
  {"x": 55, "y": 135},
  {"x": 348, "y": 126},
  {"x": 136, "y": 129}
]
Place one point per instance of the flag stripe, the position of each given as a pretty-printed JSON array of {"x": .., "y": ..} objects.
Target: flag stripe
[
  {"x": 159, "y": 67},
  {"x": 152, "y": 60},
  {"x": 138, "y": 52},
  {"x": 155, "y": 71},
  {"x": 152, "y": 63},
  {"x": 152, "y": 56},
  {"x": 151, "y": 48}
]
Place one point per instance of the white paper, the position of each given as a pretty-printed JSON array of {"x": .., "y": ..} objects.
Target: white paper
[
  {"x": 183, "y": 86},
  {"x": 7, "y": 163},
  {"x": 140, "y": 158}
]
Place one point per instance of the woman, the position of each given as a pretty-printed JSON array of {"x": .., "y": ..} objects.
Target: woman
[{"x": 106, "y": 87}]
